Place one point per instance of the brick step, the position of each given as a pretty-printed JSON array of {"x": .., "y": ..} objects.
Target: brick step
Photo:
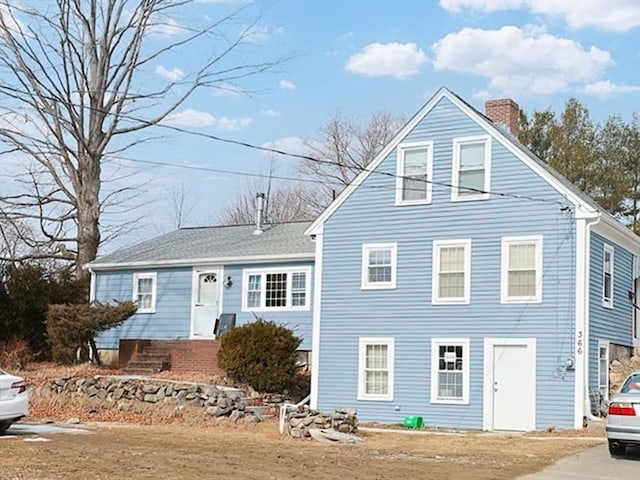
[
  {"x": 163, "y": 350},
  {"x": 160, "y": 357},
  {"x": 140, "y": 371},
  {"x": 154, "y": 365}
]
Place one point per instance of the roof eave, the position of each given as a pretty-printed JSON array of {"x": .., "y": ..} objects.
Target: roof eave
[{"x": 187, "y": 262}]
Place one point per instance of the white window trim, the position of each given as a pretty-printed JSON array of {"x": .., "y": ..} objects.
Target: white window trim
[
  {"x": 466, "y": 353},
  {"x": 400, "y": 172},
  {"x": 506, "y": 241},
  {"x": 366, "y": 248},
  {"x": 455, "y": 171},
  {"x": 435, "y": 277},
  {"x": 154, "y": 281},
  {"x": 604, "y": 344},
  {"x": 608, "y": 302},
  {"x": 263, "y": 271},
  {"x": 363, "y": 342}
]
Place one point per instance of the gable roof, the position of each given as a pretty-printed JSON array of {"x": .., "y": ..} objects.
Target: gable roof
[
  {"x": 583, "y": 202},
  {"x": 210, "y": 245}
]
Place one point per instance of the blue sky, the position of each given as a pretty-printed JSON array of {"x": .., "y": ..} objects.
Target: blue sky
[{"x": 360, "y": 57}]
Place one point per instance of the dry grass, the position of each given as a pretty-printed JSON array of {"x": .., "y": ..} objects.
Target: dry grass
[{"x": 258, "y": 452}]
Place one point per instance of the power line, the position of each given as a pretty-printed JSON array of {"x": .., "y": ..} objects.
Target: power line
[{"x": 278, "y": 151}]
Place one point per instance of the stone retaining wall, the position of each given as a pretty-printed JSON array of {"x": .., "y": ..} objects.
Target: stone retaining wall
[
  {"x": 218, "y": 401},
  {"x": 299, "y": 421}
]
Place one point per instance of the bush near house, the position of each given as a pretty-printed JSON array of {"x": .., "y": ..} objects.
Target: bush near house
[
  {"x": 261, "y": 354},
  {"x": 26, "y": 290},
  {"x": 70, "y": 327}
]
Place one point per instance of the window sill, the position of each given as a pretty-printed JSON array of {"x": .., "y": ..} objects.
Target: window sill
[
  {"x": 412, "y": 202},
  {"x": 463, "y": 401},
  {"x": 608, "y": 306},
  {"x": 145, "y": 311},
  {"x": 363, "y": 398},
  {"x": 277, "y": 309},
  {"x": 378, "y": 287},
  {"x": 470, "y": 198},
  {"x": 461, "y": 301}
]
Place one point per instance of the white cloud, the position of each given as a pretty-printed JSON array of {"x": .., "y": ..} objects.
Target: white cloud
[
  {"x": 295, "y": 145},
  {"x": 270, "y": 113},
  {"x": 233, "y": 124},
  {"x": 191, "y": 118},
  {"x": 172, "y": 75},
  {"x": 287, "y": 85},
  {"x": 520, "y": 61},
  {"x": 606, "y": 89},
  {"x": 256, "y": 34},
  {"x": 397, "y": 60},
  {"x": 167, "y": 27},
  {"x": 614, "y": 15}
]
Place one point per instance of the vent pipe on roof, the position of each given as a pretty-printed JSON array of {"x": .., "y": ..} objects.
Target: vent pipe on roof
[{"x": 259, "y": 214}]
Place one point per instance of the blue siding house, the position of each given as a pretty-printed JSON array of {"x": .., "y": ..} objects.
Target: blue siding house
[
  {"x": 461, "y": 279},
  {"x": 185, "y": 280}
]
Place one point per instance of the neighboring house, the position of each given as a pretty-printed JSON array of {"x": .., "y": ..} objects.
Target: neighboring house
[
  {"x": 185, "y": 280},
  {"x": 461, "y": 279}
]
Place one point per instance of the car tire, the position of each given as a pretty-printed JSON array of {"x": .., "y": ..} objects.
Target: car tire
[
  {"x": 4, "y": 426},
  {"x": 616, "y": 449}
]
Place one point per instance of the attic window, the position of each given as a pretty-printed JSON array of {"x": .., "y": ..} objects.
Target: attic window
[
  {"x": 471, "y": 172},
  {"x": 414, "y": 171}
]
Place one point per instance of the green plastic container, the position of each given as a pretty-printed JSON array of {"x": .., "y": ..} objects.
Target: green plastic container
[{"x": 412, "y": 422}]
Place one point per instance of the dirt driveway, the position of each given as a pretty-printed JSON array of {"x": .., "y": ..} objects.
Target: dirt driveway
[{"x": 258, "y": 452}]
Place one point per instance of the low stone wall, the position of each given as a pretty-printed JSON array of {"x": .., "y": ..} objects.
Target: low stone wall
[
  {"x": 620, "y": 369},
  {"x": 220, "y": 402},
  {"x": 298, "y": 422}
]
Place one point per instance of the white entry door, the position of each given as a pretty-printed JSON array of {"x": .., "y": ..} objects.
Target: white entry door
[
  {"x": 511, "y": 384},
  {"x": 206, "y": 301}
]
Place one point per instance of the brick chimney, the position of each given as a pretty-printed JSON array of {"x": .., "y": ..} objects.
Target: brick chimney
[{"x": 503, "y": 112}]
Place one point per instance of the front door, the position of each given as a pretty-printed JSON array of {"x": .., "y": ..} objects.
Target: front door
[
  {"x": 512, "y": 387},
  {"x": 206, "y": 300}
]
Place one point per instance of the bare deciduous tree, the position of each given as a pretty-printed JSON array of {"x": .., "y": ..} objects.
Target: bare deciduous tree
[
  {"x": 72, "y": 96},
  {"x": 345, "y": 148},
  {"x": 285, "y": 202}
]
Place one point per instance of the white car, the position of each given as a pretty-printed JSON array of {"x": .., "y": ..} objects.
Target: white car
[
  {"x": 623, "y": 421},
  {"x": 14, "y": 400}
]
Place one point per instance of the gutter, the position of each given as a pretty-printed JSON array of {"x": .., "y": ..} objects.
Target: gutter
[{"x": 182, "y": 262}]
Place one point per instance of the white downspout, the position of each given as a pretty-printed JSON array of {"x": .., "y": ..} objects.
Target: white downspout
[{"x": 583, "y": 237}]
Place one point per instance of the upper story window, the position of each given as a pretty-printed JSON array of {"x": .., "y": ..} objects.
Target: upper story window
[
  {"x": 375, "y": 372},
  {"x": 144, "y": 292},
  {"x": 471, "y": 172},
  {"x": 451, "y": 271},
  {"x": 276, "y": 289},
  {"x": 414, "y": 170},
  {"x": 607, "y": 276},
  {"x": 521, "y": 270},
  {"x": 379, "y": 265}
]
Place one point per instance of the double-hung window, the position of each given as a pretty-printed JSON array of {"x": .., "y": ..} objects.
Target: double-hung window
[
  {"x": 414, "y": 170},
  {"x": 375, "y": 371},
  {"x": 379, "y": 265},
  {"x": 607, "y": 276},
  {"x": 450, "y": 370},
  {"x": 521, "y": 270},
  {"x": 144, "y": 292},
  {"x": 451, "y": 276},
  {"x": 471, "y": 172},
  {"x": 276, "y": 289}
]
